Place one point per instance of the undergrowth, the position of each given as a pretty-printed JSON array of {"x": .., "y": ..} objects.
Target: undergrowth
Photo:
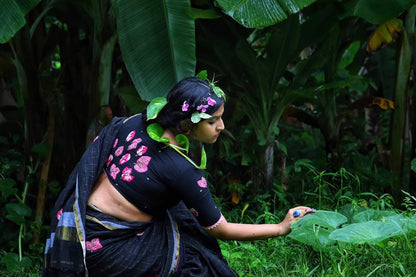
[{"x": 286, "y": 257}]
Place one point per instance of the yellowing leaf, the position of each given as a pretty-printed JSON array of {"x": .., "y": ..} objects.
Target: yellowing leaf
[
  {"x": 383, "y": 103},
  {"x": 235, "y": 198},
  {"x": 384, "y": 34}
]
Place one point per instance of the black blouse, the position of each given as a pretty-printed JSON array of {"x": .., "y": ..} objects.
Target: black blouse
[{"x": 154, "y": 177}]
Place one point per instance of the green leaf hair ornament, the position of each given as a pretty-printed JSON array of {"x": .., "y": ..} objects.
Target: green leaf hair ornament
[
  {"x": 155, "y": 106},
  {"x": 217, "y": 90},
  {"x": 197, "y": 116},
  {"x": 155, "y": 132}
]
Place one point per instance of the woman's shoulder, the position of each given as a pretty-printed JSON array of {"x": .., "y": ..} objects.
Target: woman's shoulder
[
  {"x": 133, "y": 118},
  {"x": 176, "y": 164}
]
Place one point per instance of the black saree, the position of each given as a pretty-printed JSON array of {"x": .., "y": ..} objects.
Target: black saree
[{"x": 85, "y": 242}]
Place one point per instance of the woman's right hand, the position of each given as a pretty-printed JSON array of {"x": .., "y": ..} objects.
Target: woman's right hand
[{"x": 293, "y": 215}]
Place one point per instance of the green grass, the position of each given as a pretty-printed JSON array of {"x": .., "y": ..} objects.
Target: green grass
[{"x": 286, "y": 257}]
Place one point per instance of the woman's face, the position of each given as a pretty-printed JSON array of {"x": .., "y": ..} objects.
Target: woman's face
[{"x": 208, "y": 130}]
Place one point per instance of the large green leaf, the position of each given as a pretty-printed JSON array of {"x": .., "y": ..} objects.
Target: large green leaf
[
  {"x": 366, "y": 232},
  {"x": 315, "y": 236},
  {"x": 315, "y": 229},
  {"x": 412, "y": 223},
  {"x": 17, "y": 212},
  {"x": 327, "y": 219},
  {"x": 380, "y": 11},
  {"x": 12, "y": 14},
  {"x": 371, "y": 214},
  {"x": 131, "y": 98},
  {"x": 259, "y": 13},
  {"x": 157, "y": 41}
]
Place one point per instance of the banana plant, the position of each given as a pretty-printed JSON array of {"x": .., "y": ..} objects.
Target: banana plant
[
  {"x": 264, "y": 83},
  {"x": 392, "y": 30}
]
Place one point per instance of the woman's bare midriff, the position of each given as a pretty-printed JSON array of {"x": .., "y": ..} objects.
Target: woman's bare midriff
[{"x": 105, "y": 197}]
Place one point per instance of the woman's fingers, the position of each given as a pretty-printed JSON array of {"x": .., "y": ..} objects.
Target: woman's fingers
[{"x": 301, "y": 211}]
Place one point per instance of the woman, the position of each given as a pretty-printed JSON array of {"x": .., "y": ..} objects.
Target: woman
[{"x": 137, "y": 205}]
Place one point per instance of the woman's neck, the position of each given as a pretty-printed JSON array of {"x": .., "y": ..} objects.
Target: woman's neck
[{"x": 171, "y": 136}]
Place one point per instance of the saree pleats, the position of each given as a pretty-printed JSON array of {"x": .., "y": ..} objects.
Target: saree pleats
[{"x": 120, "y": 248}]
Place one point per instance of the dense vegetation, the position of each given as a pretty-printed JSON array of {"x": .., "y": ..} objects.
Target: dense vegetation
[{"x": 320, "y": 111}]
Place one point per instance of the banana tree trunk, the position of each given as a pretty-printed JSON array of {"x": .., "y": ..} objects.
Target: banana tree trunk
[
  {"x": 40, "y": 199},
  {"x": 400, "y": 112},
  {"x": 412, "y": 104}
]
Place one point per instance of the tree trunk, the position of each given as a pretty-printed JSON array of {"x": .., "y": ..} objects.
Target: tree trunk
[
  {"x": 268, "y": 164},
  {"x": 400, "y": 114},
  {"x": 43, "y": 182}
]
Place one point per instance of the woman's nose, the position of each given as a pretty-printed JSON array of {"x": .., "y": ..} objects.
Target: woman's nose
[{"x": 221, "y": 125}]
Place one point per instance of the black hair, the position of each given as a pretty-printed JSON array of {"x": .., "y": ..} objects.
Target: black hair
[{"x": 183, "y": 100}]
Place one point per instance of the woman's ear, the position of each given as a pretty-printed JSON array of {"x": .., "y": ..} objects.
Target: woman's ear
[{"x": 186, "y": 126}]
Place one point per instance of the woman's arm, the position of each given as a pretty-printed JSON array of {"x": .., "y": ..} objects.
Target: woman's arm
[{"x": 236, "y": 231}]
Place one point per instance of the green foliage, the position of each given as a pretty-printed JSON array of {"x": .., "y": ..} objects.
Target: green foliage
[
  {"x": 13, "y": 17},
  {"x": 261, "y": 13},
  {"x": 327, "y": 230},
  {"x": 360, "y": 233},
  {"x": 355, "y": 241},
  {"x": 17, "y": 223},
  {"x": 366, "y": 9},
  {"x": 155, "y": 106},
  {"x": 158, "y": 49},
  {"x": 286, "y": 257},
  {"x": 413, "y": 165},
  {"x": 330, "y": 160}
]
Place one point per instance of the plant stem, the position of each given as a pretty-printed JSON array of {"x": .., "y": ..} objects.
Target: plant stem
[{"x": 22, "y": 225}]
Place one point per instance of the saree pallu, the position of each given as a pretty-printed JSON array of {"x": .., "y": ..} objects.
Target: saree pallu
[{"x": 170, "y": 245}]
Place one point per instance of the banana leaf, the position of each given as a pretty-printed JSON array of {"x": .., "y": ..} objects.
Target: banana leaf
[
  {"x": 260, "y": 13},
  {"x": 12, "y": 14},
  {"x": 157, "y": 41},
  {"x": 380, "y": 11}
]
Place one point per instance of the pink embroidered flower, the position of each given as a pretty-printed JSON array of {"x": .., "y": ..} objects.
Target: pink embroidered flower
[
  {"x": 125, "y": 158},
  {"x": 202, "y": 108},
  {"x": 185, "y": 106},
  {"x": 95, "y": 138},
  {"x": 119, "y": 151},
  {"x": 115, "y": 143},
  {"x": 110, "y": 159},
  {"x": 142, "y": 163},
  {"x": 114, "y": 170},
  {"x": 130, "y": 136},
  {"x": 134, "y": 144},
  {"x": 126, "y": 174},
  {"x": 211, "y": 102},
  {"x": 142, "y": 149},
  {"x": 59, "y": 214},
  {"x": 93, "y": 245},
  {"x": 202, "y": 183}
]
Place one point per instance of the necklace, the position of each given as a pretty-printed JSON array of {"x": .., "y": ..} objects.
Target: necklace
[{"x": 155, "y": 132}]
